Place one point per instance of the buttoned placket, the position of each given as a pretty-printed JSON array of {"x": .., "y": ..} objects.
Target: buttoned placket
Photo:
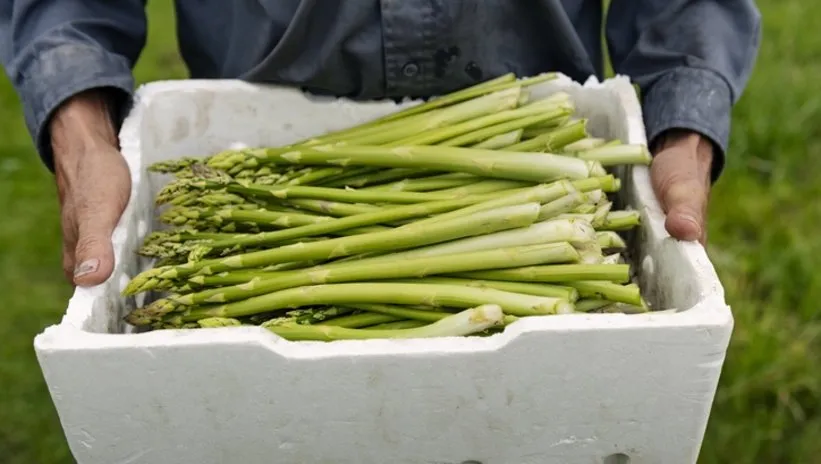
[{"x": 409, "y": 38}]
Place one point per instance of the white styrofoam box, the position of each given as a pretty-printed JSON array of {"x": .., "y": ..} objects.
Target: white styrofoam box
[{"x": 580, "y": 388}]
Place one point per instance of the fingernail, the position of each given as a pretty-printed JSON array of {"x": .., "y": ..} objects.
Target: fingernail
[
  {"x": 87, "y": 267},
  {"x": 692, "y": 220}
]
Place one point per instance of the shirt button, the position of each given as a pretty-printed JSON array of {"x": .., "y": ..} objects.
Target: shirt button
[{"x": 410, "y": 69}]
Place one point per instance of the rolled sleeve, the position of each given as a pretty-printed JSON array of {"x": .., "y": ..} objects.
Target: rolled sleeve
[
  {"x": 694, "y": 99},
  {"x": 55, "y": 50},
  {"x": 61, "y": 72},
  {"x": 691, "y": 59}
]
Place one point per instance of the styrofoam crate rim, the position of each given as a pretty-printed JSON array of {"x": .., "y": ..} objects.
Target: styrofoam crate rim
[
  {"x": 66, "y": 336},
  {"x": 710, "y": 311}
]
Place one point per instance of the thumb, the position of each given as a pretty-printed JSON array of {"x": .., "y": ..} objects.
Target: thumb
[
  {"x": 682, "y": 189},
  {"x": 94, "y": 255},
  {"x": 97, "y": 212},
  {"x": 685, "y": 205}
]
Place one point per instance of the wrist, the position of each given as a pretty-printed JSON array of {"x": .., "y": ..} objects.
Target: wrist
[
  {"x": 689, "y": 144},
  {"x": 83, "y": 122},
  {"x": 691, "y": 141}
]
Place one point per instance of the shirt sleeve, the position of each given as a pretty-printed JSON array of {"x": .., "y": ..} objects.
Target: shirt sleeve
[
  {"x": 52, "y": 50},
  {"x": 691, "y": 60}
]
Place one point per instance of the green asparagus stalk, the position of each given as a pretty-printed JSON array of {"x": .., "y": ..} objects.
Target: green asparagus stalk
[
  {"x": 395, "y": 239},
  {"x": 538, "y": 289},
  {"x": 554, "y": 140},
  {"x": 583, "y": 145},
  {"x": 614, "y": 221},
  {"x": 558, "y": 273},
  {"x": 587, "y": 305},
  {"x": 440, "y": 182},
  {"x": 532, "y": 167},
  {"x": 402, "y": 312},
  {"x": 315, "y": 176},
  {"x": 613, "y": 292},
  {"x": 372, "y": 269},
  {"x": 546, "y": 232},
  {"x": 217, "y": 322},
  {"x": 617, "y": 154},
  {"x": 494, "y": 85},
  {"x": 483, "y": 88},
  {"x": 381, "y": 216},
  {"x": 356, "y": 321},
  {"x": 378, "y": 292},
  {"x": 317, "y": 315},
  {"x": 333, "y": 208},
  {"x": 537, "y": 130},
  {"x": 625, "y": 308},
  {"x": 468, "y": 110},
  {"x": 464, "y": 323},
  {"x": 561, "y": 205},
  {"x": 375, "y": 176},
  {"x": 397, "y": 325},
  {"x": 543, "y": 193},
  {"x": 477, "y": 129},
  {"x": 610, "y": 240},
  {"x": 501, "y": 141},
  {"x": 323, "y": 193},
  {"x": 486, "y": 186}
]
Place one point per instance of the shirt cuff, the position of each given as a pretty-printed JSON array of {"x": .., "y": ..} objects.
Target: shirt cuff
[
  {"x": 52, "y": 75},
  {"x": 694, "y": 99}
]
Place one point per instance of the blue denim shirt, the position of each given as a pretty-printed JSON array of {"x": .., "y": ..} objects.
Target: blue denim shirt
[{"x": 691, "y": 58}]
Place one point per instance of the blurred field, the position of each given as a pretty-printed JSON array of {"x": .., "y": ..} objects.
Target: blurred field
[{"x": 762, "y": 240}]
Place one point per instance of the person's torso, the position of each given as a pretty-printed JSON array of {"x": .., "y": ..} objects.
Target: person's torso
[{"x": 388, "y": 48}]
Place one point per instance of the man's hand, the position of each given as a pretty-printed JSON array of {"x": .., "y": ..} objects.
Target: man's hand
[
  {"x": 680, "y": 173},
  {"x": 93, "y": 183}
]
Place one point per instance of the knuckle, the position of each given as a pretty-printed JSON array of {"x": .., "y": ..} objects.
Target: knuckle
[{"x": 88, "y": 243}]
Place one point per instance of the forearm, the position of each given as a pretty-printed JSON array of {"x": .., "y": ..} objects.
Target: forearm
[
  {"x": 692, "y": 60},
  {"x": 62, "y": 56}
]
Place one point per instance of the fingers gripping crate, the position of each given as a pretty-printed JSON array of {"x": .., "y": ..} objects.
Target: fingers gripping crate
[{"x": 578, "y": 388}]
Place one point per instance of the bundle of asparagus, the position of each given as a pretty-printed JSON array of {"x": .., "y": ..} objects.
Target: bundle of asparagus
[{"x": 454, "y": 217}]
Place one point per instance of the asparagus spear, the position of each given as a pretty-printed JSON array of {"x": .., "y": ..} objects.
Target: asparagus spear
[
  {"x": 442, "y": 181},
  {"x": 476, "y": 129},
  {"x": 333, "y": 208},
  {"x": 501, "y": 141},
  {"x": 608, "y": 291},
  {"x": 613, "y": 155},
  {"x": 610, "y": 240},
  {"x": 397, "y": 325},
  {"x": 539, "y": 289},
  {"x": 532, "y": 167},
  {"x": 494, "y": 85},
  {"x": 378, "y": 292},
  {"x": 558, "y": 273},
  {"x": 583, "y": 145},
  {"x": 402, "y": 312},
  {"x": 372, "y": 269},
  {"x": 380, "y": 216},
  {"x": 556, "y": 231},
  {"x": 543, "y": 193},
  {"x": 355, "y": 321},
  {"x": 467, "y": 322},
  {"x": 555, "y": 139},
  {"x": 395, "y": 130},
  {"x": 613, "y": 221},
  {"x": 305, "y": 192},
  {"x": 395, "y": 239}
]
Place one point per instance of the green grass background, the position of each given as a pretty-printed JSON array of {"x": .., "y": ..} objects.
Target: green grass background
[{"x": 763, "y": 235}]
